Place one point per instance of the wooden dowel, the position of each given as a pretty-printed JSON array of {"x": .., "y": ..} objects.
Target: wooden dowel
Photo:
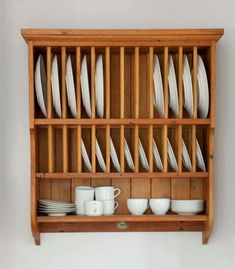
[
  {"x": 93, "y": 130},
  {"x": 165, "y": 128},
  {"x": 136, "y": 109},
  {"x": 78, "y": 95},
  {"x": 49, "y": 115},
  {"x": 180, "y": 89},
  {"x": 107, "y": 105},
  {"x": 64, "y": 109},
  {"x": 122, "y": 85},
  {"x": 195, "y": 63},
  {"x": 150, "y": 132}
]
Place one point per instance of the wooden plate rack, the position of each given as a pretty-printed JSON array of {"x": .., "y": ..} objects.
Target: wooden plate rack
[{"x": 56, "y": 162}]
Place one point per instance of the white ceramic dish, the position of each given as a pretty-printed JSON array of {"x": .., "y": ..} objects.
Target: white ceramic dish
[
  {"x": 55, "y": 84},
  {"x": 186, "y": 159},
  {"x": 99, "y": 156},
  {"x": 99, "y": 87},
  {"x": 171, "y": 156},
  {"x": 203, "y": 89},
  {"x": 85, "y": 89},
  {"x": 128, "y": 156},
  {"x": 157, "y": 157},
  {"x": 200, "y": 159},
  {"x": 188, "y": 88},
  {"x": 85, "y": 157},
  {"x": 40, "y": 81},
  {"x": 70, "y": 86},
  {"x": 137, "y": 206},
  {"x": 114, "y": 156},
  {"x": 158, "y": 99},
  {"x": 143, "y": 158},
  {"x": 173, "y": 100}
]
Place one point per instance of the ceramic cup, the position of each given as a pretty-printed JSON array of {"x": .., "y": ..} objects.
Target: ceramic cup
[
  {"x": 159, "y": 206},
  {"x": 106, "y": 193},
  {"x": 84, "y": 193},
  {"x": 93, "y": 208},
  {"x": 80, "y": 208},
  {"x": 109, "y": 207},
  {"x": 137, "y": 206}
]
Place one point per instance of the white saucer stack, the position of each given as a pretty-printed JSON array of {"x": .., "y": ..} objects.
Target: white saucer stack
[
  {"x": 55, "y": 208},
  {"x": 187, "y": 207}
]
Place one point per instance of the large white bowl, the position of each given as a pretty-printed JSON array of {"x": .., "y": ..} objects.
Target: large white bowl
[
  {"x": 137, "y": 206},
  {"x": 159, "y": 206}
]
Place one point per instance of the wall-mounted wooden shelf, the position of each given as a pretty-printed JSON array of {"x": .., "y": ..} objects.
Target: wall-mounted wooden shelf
[{"x": 56, "y": 161}]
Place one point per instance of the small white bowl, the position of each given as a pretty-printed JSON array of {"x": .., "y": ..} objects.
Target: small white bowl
[
  {"x": 159, "y": 206},
  {"x": 137, "y": 206}
]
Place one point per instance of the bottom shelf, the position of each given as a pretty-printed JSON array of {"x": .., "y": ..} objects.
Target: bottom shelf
[{"x": 121, "y": 223}]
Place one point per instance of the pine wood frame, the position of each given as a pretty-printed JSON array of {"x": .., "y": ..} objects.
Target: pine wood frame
[{"x": 167, "y": 182}]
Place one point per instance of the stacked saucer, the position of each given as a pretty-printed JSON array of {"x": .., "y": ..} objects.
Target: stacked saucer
[
  {"x": 187, "y": 207},
  {"x": 55, "y": 208}
]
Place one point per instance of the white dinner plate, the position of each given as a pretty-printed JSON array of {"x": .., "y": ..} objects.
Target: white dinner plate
[
  {"x": 56, "y": 210},
  {"x": 171, "y": 156},
  {"x": 99, "y": 86},
  {"x": 156, "y": 157},
  {"x": 158, "y": 99},
  {"x": 128, "y": 156},
  {"x": 173, "y": 100},
  {"x": 70, "y": 86},
  {"x": 186, "y": 159},
  {"x": 55, "y": 86},
  {"x": 188, "y": 88},
  {"x": 55, "y": 203},
  {"x": 99, "y": 156},
  {"x": 200, "y": 159},
  {"x": 203, "y": 89},
  {"x": 85, "y": 157},
  {"x": 56, "y": 214},
  {"x": 114, "y": 156},
  {"x": 40, "y": 81},
  {"x": 85, "y": 89},
  {"x": 143, "y": 158}
]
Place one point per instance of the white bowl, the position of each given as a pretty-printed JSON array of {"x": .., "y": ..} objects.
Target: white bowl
[
  {"x": 137, "y": 206},
  {"x": 159, "y": 206}
]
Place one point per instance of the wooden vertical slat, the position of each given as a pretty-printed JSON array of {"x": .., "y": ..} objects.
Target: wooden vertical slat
[
  {"x": 150, "y": 132},
  {"x": 31, "y": 84},
  {"x": 107, "y": 105},
  {"x": 64, "y": 109},
  {"x": 180, "y": 90},
  {"x": 122, "y": 85},
  {"x": 77, "y": 144},
  {"x": 165, "y": 128},
  {"x": 194, "y": 108},
  {"x": 49, "y": 115},
  {"x": 93, "y": 136},
  {"x": 78, "y": 96},
  {"x": 136, "y": 108}
]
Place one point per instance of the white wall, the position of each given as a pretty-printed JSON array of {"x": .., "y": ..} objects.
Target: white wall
[{"x": 109, "y": 250}]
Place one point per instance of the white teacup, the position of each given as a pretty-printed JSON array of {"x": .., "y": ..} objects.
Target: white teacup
[
  {"x": 109, "y": 207},
  {"x": 106, "y": 193},
  {"x": 137, "y": 206},
  {"x": 159, "y": 206},
  {"x": 84, "y": 193},
  {"x": 93, "y": 208}
]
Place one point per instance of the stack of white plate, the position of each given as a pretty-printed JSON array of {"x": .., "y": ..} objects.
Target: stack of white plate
[
  {"x": 187, "y": 207},
  {"x": 55, "y": 208}
]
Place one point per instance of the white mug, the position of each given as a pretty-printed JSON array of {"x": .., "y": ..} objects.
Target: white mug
[
  {"x": 80, "y": 208},
  {"x": 84, "y": 193},
  {"x": 93, "y": 208},
  {"x": 137, "y": 206},
  {"x": 106, "y": 193},
  {"x": 109, "y": 207}
]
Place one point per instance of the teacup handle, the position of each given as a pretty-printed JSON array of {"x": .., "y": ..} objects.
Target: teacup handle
[
  {"x": 118, "y": 191},
  {"x": 115, "y": 205}
]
